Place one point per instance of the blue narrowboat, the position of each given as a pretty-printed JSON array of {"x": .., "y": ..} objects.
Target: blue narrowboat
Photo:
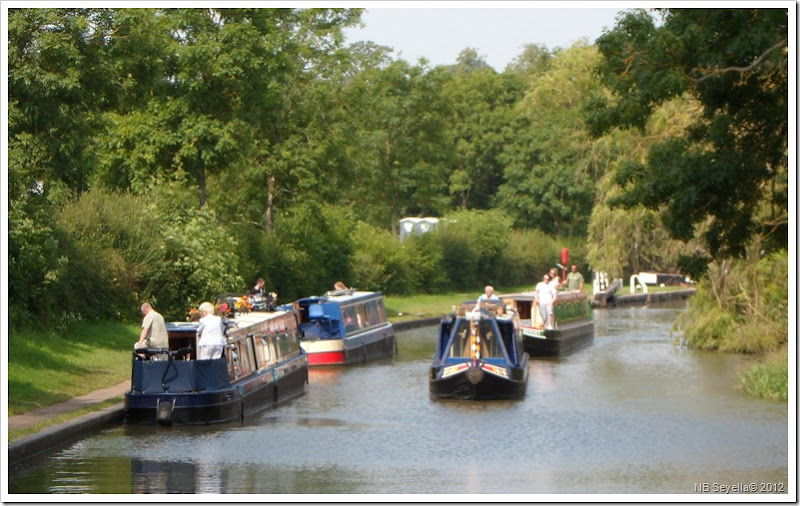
[
  {"x": 479, "y": 355},
  {"x": 261, "y": 366},
  {"x": 344, "y": 327}
]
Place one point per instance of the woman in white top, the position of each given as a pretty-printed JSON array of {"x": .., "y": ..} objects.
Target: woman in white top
[
  {"x": 555, "y": 281},
  {"x": 544, "y": 295},
  {"x": 210, "y": 341}
]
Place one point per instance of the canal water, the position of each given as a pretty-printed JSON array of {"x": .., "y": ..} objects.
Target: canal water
[{"x": 634, "y": 413}]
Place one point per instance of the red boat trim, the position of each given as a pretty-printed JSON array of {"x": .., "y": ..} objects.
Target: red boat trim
[{"x": 326, "y": 357}]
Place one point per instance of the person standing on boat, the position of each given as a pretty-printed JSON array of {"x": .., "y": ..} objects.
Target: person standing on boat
[
  {"x": 544, "y": 295},
  {"x": 575, "y": 279},
  {"x": 154, "y": 330},
  {"x": 554, "y": 279},
  {"x": 210, "y": 340}
]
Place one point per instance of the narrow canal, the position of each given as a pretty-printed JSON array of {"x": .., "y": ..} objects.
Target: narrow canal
[{"x": 633, "y": 413}]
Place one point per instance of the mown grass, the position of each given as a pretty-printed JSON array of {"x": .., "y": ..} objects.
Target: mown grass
[
  {"x": 46, "y": 367},
  {"x": 400, "y": 308}
]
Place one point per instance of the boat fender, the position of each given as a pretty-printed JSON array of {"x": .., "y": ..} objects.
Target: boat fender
[
  {"x": 164, "y": 410},
  {"x": 475, "y": 375}
]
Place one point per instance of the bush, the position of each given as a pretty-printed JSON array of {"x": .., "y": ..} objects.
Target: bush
[
  {"x": 530, "y": 253},
  {"x": 111, "y": 243},
  {"x": 473, "y": 243},
  {"x": 318, "y": 248},
  {"x": 768, "y": 380},
  {"x": 123, "y": 249},
  {"x": 742, "y": 306},
  {"x": 35, "y": 262}
]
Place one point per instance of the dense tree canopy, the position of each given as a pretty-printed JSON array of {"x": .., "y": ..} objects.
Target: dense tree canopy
[
  {"x": 733, "y": 159},
  {"x": 174, "y": 154}
]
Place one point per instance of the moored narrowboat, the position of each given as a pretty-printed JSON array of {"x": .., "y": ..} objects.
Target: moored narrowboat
[
  {"x": 479, "y": 355},
  {"x": 261, "y": 366},
  {"x": 344, "y": 327},
  {"x": 573, "y": 323}
]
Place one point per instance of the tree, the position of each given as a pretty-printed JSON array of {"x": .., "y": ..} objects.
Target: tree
[
  {"x": 553, "y": 164},
  {"x": 400, "y": 149},
  {"x": 730, "y": 166},
  {"x": 484, "y": 121},
  {"x": 227, "y": 99},
  {"x": 534, "y": 59},
  {"x": 55, "y": 87}
]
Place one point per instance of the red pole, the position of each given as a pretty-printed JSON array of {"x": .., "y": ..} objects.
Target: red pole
[{"x": 564, "y": 262}]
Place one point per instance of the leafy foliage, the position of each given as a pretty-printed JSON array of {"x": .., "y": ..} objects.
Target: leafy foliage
[
  {"x": 401, "y": 153},
  {"x": 551, "y": 169},
  {"x": 116, "y": 258},
  {"x": 734, "y": 63},
  {"x": 742, "y": 306},
  {"x": 483, "y": 123},
  {"x": 768, "y": 380},
  {"x": 173, "y": 154}
]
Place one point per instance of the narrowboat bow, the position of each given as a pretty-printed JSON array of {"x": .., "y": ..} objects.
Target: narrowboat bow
[
  {"x": 479, "y": 355},
  {"x": 344, "y": 327},
  {"x": 261, "y": 366}
]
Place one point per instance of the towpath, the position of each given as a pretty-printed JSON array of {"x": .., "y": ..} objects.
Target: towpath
[{"x": 40, "y": 415}]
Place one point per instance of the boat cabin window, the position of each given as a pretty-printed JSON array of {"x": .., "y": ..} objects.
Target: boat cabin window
[
  {"x": 489, "y": 346},
  {"x": 240, "y": 361},
  {"x": 374, "y": 313},
  {"x": 265, "y": 352},
  {"x": 523, "y": 308},
  {"x": 350, "y": 318},
  {"x": 288, "y": 344},
  {"x": 362, "y": 315}
]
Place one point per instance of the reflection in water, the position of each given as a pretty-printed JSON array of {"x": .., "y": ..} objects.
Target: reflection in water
[{"x": 632, "y": 413}]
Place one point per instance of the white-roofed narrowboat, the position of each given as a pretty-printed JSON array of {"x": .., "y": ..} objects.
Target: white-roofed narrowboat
[
  {"x": 261, "y": 366},
  {"x": 573, "y": 329}
]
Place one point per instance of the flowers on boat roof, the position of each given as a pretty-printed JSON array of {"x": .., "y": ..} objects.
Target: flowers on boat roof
[
  {"x": 223, "y": 309},
  {"x": 243, "y": 304},
  {"x": 193, "y": 315}
]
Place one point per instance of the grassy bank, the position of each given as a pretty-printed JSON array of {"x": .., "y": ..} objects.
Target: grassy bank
[
  {"x": 47, "y": 367},
  {"x": 768, "y": 379}
]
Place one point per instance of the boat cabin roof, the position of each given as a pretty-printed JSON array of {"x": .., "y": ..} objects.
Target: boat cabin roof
[
  {"x": 237, "y": 323},
  {"x": 244, "y": 320},
  {"x": 529, "y": 296},
  {"x": 486, "y": 310},
  {"x": 341, "y": 297}
]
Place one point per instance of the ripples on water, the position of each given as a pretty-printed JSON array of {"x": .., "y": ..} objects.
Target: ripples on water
[{"x": 632, "y": 413}]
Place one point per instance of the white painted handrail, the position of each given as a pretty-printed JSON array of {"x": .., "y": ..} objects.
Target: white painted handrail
[{"x": 635, "y": 279}]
